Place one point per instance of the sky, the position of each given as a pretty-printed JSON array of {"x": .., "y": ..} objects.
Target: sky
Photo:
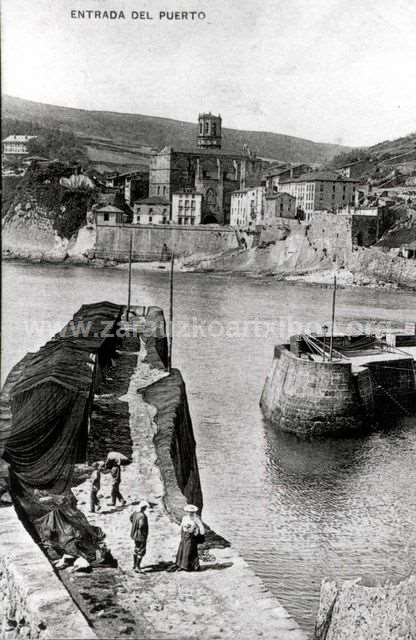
[{"x": 341, "y": 71}]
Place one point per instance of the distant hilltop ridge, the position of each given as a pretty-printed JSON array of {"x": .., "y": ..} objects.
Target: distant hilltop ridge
[{"x": 128, "y": 139}]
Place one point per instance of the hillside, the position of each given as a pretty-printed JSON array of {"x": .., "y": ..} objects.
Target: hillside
[
  {"x": 122, "y": 139},
  {"x": 389, "y": 149}
]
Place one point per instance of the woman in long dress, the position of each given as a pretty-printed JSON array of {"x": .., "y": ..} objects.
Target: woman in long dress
[{"x": 192, "y": 532}]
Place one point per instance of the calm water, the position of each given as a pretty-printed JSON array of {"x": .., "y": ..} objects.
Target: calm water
[{"x": 298, "y": 511}]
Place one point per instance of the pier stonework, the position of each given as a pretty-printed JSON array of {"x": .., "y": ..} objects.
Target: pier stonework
[{"x": 310, "y": 398}]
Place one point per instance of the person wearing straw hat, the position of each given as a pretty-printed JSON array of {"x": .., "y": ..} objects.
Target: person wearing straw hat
[
  {"x": 139, "y": 533},
  {"x": 192, "y": 533}
]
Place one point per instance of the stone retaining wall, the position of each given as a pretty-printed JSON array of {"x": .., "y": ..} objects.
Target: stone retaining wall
[
  {"x": 148, "y": 241},
  {"x": 33, "y": 602}
]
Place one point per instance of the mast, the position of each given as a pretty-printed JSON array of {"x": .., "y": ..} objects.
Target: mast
[
  {"x": 129, "y": 293},
  {"x": 333, "y": 318},
  {"x": 170, "y": 313}
]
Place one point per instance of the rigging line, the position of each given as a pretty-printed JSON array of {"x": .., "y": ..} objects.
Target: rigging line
[{"x": 406, "y": 412}]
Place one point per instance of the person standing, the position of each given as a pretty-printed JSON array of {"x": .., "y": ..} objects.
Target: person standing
[
  {"x": 95, "y": 487},
  {"x": 139, "y": 533},
  {"x": 192, "y": 533},
  {"x": 115, "y": 487}
]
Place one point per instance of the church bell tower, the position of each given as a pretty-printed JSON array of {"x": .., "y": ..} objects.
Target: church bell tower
[{"x": 209, "y": 131}]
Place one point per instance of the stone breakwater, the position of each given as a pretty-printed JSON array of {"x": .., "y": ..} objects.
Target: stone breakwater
[
  {"x": 311, "y": 398},
  {"x": 225, "y": 599},
  {"x": 351, "y": 611}
]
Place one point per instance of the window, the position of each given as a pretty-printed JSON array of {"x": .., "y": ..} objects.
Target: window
[
  {"x": 206, "y": 126},
  {"x": 164, "y": 220},
  {"x": 138, "y": 219},
  {"x": 106, "y": 217},
  {"x": 214, "y": 129},
  {"x": 150, "y": 219},
  {"x": 193, "y": 221},
  {"x": 158, "y": 190},
  {"x": 164, "y": 190},
  {"x": 138, "y": 210}
]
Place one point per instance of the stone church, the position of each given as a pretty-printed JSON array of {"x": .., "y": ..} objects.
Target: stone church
[{"x": 205, "y": 169}]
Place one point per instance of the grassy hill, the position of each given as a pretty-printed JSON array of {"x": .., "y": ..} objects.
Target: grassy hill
[
  {"x": 395, "y": 149},
  {"x": 123, "y": 139}
]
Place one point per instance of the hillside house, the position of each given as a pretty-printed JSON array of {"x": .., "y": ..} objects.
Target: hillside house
[{"x": 16, "y": 145}]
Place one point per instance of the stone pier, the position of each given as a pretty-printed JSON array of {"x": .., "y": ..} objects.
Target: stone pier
[{"x": 225, "y": 599}]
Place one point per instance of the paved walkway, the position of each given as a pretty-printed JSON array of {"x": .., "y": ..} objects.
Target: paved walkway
[{"x": 224, "y": 600}]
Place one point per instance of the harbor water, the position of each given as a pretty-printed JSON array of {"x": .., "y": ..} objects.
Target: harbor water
[{"x": 297, "y": 511}]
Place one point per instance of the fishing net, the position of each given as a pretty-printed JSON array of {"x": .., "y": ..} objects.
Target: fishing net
[{"x": 45, "y": 407}]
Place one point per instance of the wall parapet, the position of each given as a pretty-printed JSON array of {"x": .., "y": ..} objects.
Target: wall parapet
[{"x": 33, "y": 601}]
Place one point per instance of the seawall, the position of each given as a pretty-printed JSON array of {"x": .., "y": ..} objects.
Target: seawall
[
  {"x": 310, "y": 398},
  {"x": 148, "y": 241}
]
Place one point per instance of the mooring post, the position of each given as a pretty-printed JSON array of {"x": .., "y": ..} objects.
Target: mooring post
[
  {"x": 129, "y": 294},
  {"x": 333, "y": 318},
  {"x": 170, "y": 313}
]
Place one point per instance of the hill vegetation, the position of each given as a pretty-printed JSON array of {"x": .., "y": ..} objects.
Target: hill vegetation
[
  {"x": 128, "y": 139},
  {"x": 384, "y": 156},
  {"x": 51, "y": 143}
]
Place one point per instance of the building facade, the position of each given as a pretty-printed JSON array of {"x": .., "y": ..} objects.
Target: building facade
[
  {"x": 213, "y": 174},
  {"x": 207, "y": 170},
  {"x": 186, "y": 207},
  {"x": 274, "y": 176},
  {"x": 134, "y": 184},
  {"x": 110, "y": 215},
  {"x": 16, "y": 145},
  {"x": 279, "y": 205},
  {"x": 247, "y": 208},
  {"x": 151, "y": 211},
  {"x": 320, "y": 191}
]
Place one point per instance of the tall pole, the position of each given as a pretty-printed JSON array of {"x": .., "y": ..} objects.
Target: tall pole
[
  {"x": 170, "y": 313},
  {"x": 129, "y": 294},
  {"x": 333, "y": 317}
]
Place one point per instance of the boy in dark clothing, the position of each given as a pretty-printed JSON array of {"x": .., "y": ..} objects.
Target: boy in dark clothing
[
  {"x": 115, "y": 488},
  {"x": 139, "y": 533}
]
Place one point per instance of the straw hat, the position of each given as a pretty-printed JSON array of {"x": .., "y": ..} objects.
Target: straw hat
[{"x": 190, "y": 508}]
